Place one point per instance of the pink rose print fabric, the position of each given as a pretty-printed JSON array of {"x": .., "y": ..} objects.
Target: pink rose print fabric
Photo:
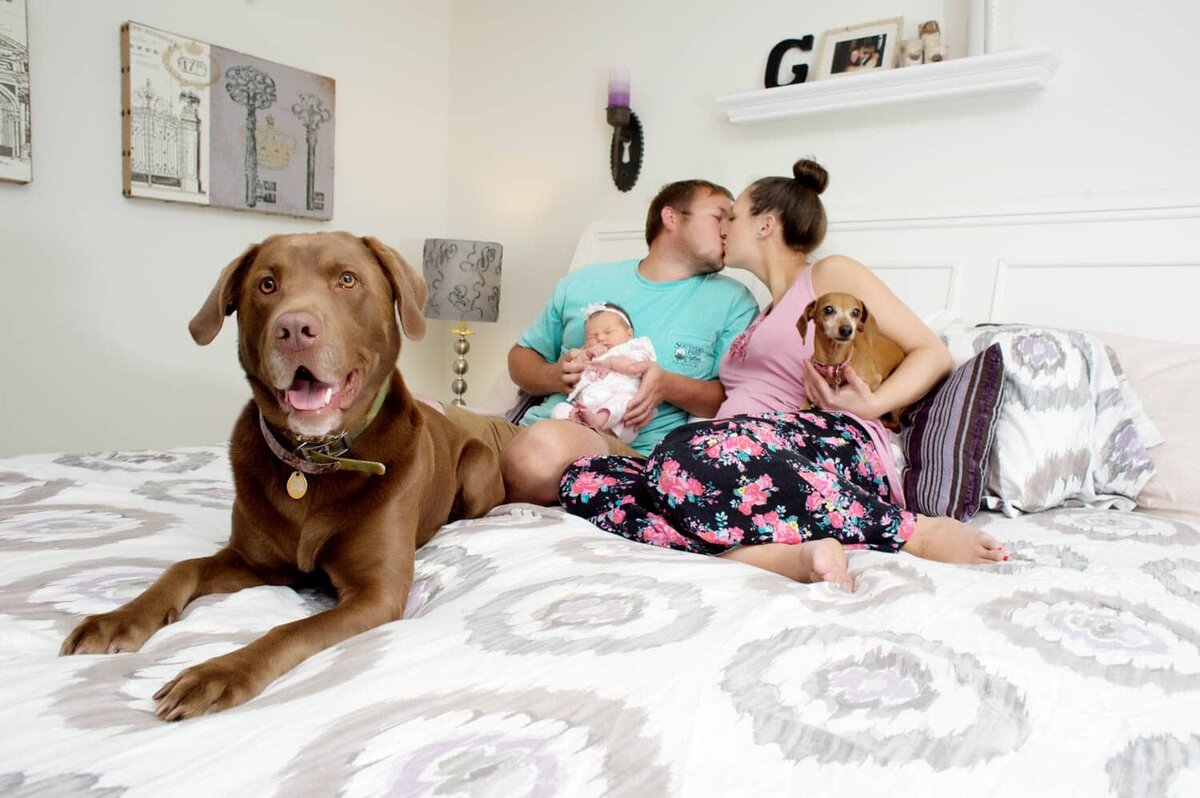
[{"x": 741, "y": 481}]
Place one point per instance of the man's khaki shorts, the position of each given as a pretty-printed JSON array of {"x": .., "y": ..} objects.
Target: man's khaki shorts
[{"x": 496, "y": 432}]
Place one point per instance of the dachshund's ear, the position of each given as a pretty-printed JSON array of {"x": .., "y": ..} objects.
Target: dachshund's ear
[
  {"x": 867, "y": 327},
  {"x": 805, "y": 318}
]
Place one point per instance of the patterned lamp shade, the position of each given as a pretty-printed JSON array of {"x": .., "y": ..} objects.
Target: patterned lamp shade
[{"x": 463, "y": 278}]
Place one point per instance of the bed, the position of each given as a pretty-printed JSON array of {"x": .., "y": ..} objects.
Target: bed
[{"x": 541, "y": 656}]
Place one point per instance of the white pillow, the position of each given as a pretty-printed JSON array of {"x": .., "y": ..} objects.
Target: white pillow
[
  {"x": 1166, "y": 378},
  {"x": 1068, "y": 431}
]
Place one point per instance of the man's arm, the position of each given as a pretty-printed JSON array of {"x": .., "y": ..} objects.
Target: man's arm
[
  {"x": 697, "y": 397},
  {"x": 534, "y": 375}
]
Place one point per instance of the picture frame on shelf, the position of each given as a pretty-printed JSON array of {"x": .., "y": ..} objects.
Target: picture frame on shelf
[{"x": 860, "y": 48}]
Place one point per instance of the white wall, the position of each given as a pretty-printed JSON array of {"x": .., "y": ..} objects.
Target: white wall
[
  {"x": 98, "y": 289},
  {"x": 474, "y": 118},
  {"x": 529, "y": 143}
]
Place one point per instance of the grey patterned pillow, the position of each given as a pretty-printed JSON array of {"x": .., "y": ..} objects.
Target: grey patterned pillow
[
  {"x": 1067, "y": 431},
  {"x": 947, "y": 436}
]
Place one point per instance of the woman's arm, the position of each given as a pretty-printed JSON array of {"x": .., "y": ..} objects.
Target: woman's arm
[{"x": 926, "y": 359}]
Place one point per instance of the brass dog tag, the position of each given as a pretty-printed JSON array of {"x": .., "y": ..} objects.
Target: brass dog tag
[{"x": 297, "y": 485}]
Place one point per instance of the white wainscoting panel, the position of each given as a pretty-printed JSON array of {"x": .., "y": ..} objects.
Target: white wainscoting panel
[{"x": 1146, "y": 299}]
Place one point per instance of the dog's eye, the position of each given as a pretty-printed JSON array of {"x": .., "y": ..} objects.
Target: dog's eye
[
  {"x": 828, "y": 309},
  {"x": 854, "y": 314},
  {"x": 348, "y": 280},
  {"x": 267, "y": 285}
]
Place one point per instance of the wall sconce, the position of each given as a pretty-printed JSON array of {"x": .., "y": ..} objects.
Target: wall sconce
[
  {"x": 464, "y": 285},
  {"x": 625, "y": 156}
]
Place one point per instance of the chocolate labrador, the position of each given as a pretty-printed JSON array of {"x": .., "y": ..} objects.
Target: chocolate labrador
[{"x": 339, "y": 474}]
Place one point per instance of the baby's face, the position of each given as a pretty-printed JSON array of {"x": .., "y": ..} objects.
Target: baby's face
[{"x": 606, "y": 328}]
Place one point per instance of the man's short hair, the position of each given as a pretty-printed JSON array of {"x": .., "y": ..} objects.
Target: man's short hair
[{"x": 678, "y": 195}]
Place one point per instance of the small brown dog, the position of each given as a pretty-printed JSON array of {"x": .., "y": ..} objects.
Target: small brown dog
[
  {"x": 844, "y": 332},
  {"x": 340, "y": 474}
]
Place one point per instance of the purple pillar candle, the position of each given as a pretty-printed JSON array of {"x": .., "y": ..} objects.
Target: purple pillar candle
[{"x": 618, "y": 87}]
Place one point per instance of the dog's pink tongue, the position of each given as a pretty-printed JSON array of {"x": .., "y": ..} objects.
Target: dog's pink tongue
[{"x": 309, "y": 394}]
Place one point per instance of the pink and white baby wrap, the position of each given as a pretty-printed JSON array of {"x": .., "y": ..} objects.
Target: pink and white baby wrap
[{"x": 600, "y": 389}]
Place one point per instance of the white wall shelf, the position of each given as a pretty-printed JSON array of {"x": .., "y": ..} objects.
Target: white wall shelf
[{"x": 1016, "y": 70}]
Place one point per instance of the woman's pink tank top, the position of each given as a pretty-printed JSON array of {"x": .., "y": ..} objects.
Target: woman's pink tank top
[{"x": 762, "y": 368}]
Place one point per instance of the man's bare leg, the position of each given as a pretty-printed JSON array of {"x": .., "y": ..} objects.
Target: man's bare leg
[
  {"x": 947, "y": 540},
  {"x": 534, "y": 461},
  {"x": 811, "y": 561}
]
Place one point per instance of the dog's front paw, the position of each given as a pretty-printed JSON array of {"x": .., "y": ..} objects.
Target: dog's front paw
[
  {"x": 110, "y": 633},
  {"x": 208, "y": 687}
]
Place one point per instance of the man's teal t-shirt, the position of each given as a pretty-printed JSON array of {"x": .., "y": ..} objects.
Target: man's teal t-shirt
[{"x": 691, "y": 323}]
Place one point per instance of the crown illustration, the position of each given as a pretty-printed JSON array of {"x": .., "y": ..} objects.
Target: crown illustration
[{"x": 275, "y": 147}]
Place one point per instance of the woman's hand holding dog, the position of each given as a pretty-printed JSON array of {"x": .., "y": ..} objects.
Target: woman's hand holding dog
[{"x": 854, "y": 395}]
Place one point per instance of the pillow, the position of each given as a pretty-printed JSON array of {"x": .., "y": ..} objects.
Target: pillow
[
  {"x": 1166, "y": 378},
  {"x": 947, "y": 436},
  {"x": 1067, "y": 432}
]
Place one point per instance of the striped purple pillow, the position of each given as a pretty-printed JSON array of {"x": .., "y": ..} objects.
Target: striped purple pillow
[{"x": 947, "y": 436}]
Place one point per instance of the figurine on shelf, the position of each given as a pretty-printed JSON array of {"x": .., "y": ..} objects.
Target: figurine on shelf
[
  {"x": 931, "y": 40},
  {"x": 911, "y": 53}
]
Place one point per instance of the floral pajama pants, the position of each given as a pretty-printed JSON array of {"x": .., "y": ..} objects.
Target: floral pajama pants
[{"x": 715, "y": 485}]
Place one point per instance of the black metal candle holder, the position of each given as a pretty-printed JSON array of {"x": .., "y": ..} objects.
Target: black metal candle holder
[{"x": 625, "y": 156}]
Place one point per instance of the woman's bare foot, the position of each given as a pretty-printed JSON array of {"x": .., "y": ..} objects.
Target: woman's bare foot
[
  {"x": 808, "y": 562},
  {"x": 947, "y": 540}
]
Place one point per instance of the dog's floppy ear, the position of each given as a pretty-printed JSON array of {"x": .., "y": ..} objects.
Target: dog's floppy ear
[
  {"x": 867, "y": 326},
  {"x": 805, "y": 318},
  {"x": 222, "y": 300},
  {"x": 408, "y": 286}
]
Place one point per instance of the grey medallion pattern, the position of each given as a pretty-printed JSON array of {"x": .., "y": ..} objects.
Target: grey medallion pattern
[
  {"x": 1124, "y": 642},
  {"x": 604, "y": 613},
  {"x": 174, "y": 462},
  {"x": 1149, "y": 766},
  {"x": 539, "y": 656},
  {"x": 535, "y": 743},
  {"x": 834, "y": 694}
]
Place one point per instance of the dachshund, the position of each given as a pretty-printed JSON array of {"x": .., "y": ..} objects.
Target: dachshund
[{"x": 845, "y": 332}]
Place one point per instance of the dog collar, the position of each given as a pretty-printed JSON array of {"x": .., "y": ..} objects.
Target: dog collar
[
  {"x": 832, "y": 372},
  {"x": 323, "y": 456}
]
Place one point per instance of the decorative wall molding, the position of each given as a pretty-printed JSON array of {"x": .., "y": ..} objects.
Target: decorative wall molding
[
  {"x": 1110, "y": 309},
  {"x": 952, "y": 272},
  {"x": 1015, "y": 70},
  {"x": 1053, "y": 212}
]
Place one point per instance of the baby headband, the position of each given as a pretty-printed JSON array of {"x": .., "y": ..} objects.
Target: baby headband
[{"x": 601, "y": 307}]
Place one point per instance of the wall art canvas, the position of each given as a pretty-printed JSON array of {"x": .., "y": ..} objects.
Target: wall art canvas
[
  {"x": 16, "y": 153},
  {"x": 212, "y": 126}
]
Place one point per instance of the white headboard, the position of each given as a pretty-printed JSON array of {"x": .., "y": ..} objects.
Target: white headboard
[{"x": 1133, "y": 270}]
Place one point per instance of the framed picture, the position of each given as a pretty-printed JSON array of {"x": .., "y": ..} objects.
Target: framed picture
[
  {"x": 860, "y": 48},
  {"x": 16, "y": 161},
  {"x": 211, "y": 126}
]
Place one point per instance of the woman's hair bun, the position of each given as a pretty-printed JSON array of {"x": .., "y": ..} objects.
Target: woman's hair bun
[{"x": 810, "y": 174}]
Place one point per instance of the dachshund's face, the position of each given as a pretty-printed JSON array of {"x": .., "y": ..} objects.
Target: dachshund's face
[{"x": 836, "y": 316}]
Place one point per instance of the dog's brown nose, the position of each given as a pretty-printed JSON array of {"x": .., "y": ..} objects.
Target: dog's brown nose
[{"x": 297, "y": 330}]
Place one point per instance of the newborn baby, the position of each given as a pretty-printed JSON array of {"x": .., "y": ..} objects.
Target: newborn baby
[{"x": 601, "y": 395}]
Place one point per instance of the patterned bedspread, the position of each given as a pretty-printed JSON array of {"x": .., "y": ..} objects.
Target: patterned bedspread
[{"x": 541, "y": 656}]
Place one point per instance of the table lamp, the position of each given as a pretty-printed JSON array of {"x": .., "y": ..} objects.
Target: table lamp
[{"x": 464, "y": 285}]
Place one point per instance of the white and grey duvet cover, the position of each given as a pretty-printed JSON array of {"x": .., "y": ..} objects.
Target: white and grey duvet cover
[{"x": 541, "y": 656}]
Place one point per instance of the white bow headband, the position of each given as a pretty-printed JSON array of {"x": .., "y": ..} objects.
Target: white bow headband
[{"x": 600, "y": 307}]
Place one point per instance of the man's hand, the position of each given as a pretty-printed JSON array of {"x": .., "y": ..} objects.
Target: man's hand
[
  {"x": 572, "y": 364},
  {"x": 644, "y": 403},
  {"x": 854, "y": 396}
]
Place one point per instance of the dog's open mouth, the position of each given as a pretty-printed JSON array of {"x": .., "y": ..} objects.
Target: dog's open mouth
[{"x": 307, "y": 394}]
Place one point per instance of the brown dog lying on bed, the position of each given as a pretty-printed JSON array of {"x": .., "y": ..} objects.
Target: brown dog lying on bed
[
  {"x": 340, "y": 475},
  {"x": 844, "y": 332}
]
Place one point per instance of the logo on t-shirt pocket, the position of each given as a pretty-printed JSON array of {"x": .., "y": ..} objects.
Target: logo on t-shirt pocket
[{"x": 690, "y": 355}]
